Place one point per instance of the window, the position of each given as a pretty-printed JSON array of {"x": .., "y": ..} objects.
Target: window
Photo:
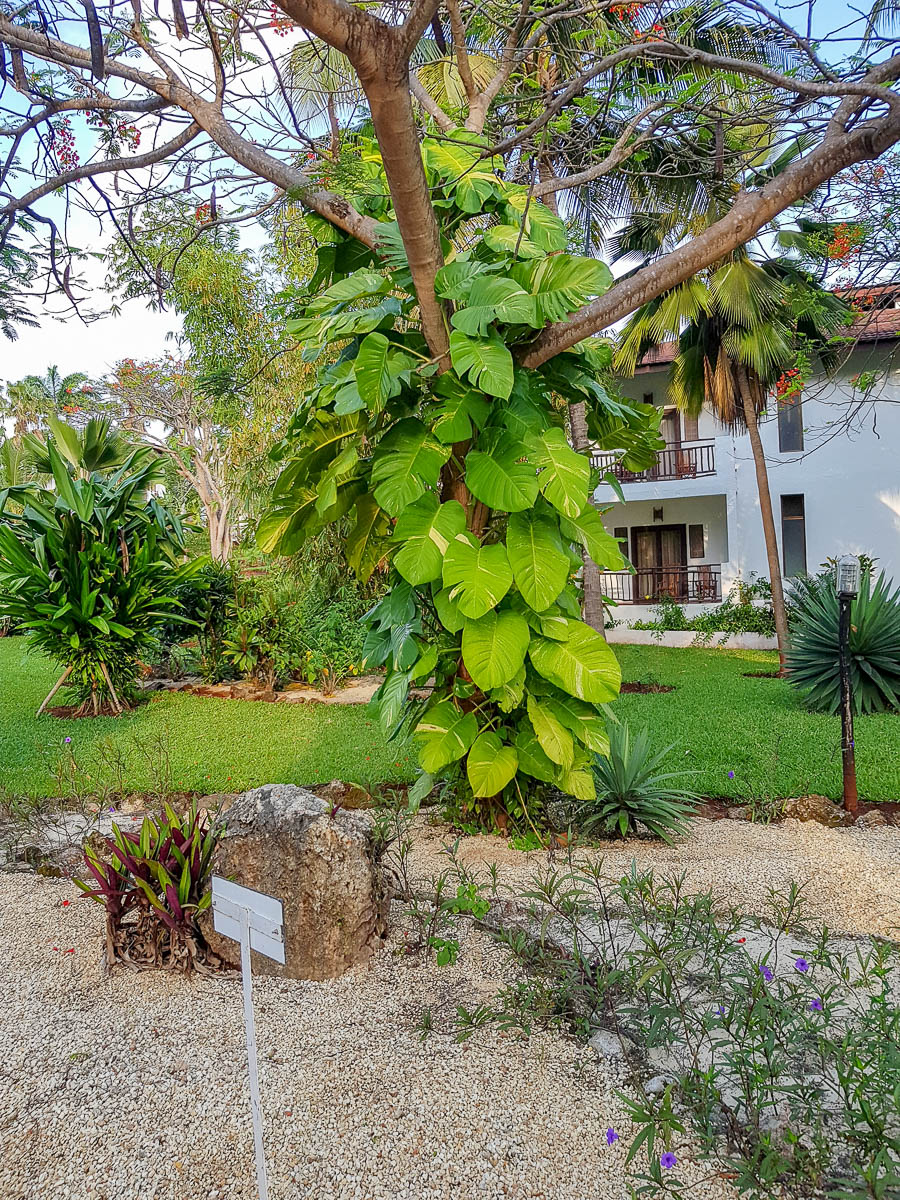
[
  {"x": 793, "y": 534},
  {"x": 648, "y": 397},
  {"x": 696, "y": 541},
  {"x": 620, "y": 533},
  {"x": 790, "y": 424},
  {"x": 691, "y": 429}
]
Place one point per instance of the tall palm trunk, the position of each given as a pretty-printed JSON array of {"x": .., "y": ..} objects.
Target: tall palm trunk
[
  {"x": 592, "y": 587},
  {"x": 749, "y": 392}
]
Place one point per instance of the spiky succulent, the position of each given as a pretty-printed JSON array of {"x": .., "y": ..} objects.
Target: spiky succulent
[{"x": 813, "y": 662}]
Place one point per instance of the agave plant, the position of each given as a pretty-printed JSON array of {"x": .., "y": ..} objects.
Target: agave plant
[
  {"x": 633, "y": 791},
  {"x": 813, "y": 664},
  {"x": 154, "y": 884}
]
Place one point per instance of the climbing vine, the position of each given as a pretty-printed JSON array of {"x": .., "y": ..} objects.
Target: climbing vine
[{"x": 460, "y": 474}]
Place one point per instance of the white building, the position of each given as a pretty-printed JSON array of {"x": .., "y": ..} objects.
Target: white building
[{"x": 692, "y": 523}]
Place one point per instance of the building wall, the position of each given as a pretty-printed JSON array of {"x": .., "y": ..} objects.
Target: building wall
[{"x": 850, "y": 480}]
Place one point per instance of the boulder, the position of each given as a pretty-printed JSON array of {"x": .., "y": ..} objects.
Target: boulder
[
  {"x": 281, "y": 840},
  {"x": 871, "y": 820},
  {"x": 813, "y": 808}
]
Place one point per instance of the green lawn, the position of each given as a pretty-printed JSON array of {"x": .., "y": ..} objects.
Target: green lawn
[{"x": 719, "y": 720}]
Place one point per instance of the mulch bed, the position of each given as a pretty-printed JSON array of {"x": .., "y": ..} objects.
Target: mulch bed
[
  {"x": 761, "y": 675},
  {"x": 643, "y": 689}
]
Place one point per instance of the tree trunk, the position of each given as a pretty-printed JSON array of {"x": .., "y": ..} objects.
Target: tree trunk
[
  {"x": 765, "y": 508},
  {"x": 592, "y": 602}
]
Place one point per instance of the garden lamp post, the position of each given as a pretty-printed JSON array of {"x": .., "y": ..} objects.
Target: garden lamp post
[{"x": 847, "y": 583}]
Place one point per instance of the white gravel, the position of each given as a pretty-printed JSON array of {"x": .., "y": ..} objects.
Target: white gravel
[
  {"x": 132, "y": 1087},
  {"x": 851, "y": 876}
]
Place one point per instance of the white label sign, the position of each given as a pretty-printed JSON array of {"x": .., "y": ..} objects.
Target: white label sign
[
  {"x": 265, "y": 916},
  {"x": 256, "y": 921}
]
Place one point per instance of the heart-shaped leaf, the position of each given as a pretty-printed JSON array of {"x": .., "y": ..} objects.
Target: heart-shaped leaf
[
  {"x": 582, "y": 666},
  {"x": 478, "y": 576},
  {"x": 490, "y": 765},
  {"x": 493, "y": 647}
]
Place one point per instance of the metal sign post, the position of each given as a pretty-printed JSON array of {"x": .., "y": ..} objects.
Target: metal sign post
[
  {"x": 257, "y": 922},
  {"x": 847, "y": 582}
]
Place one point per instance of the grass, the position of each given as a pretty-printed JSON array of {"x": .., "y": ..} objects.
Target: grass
[
  {"x": 213, "y": 745},
  {"x": 719, "y": 721}
]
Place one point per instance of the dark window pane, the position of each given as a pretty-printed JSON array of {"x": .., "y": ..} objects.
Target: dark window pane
[
  {"x": 621, "y": 533},
  {"x": 695, "y": 536},
  {"x": 691, "y": 429},
  {"x": 790, "y": 424},
  {"x": 793, "y": 535},
  {"x": 648, "y": 397}
]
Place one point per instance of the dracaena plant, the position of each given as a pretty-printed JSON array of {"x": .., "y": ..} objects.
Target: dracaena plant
[
  {"x": 88, "y": 570},
  {"x": 459, "y": 471},
  {"x": 154, "y": 884}
]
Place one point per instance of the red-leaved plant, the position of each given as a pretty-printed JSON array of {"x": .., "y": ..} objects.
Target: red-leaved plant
[{"x": 154, "y": 884}]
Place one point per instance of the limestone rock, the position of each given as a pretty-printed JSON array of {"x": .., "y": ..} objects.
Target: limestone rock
[
  {"x": 812, "y": 808},
  {"x": 609, "y": 1044},
  {"x": 280, "y": 840},
  {"x": 870, "y": 820},
  {"x": 344, "y": 795}
]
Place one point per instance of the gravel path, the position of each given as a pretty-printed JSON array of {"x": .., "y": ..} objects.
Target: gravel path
[
  {"x": 852, "y": 876},
  {"x": 132, "y": 1087}
]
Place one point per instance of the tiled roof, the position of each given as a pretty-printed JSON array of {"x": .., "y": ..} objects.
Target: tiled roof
[{"x": 875, "y": 326}]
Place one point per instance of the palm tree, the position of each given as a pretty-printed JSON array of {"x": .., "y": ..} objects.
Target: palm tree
[
  {"x": 98, "y": 448},
  {"x": 739, "y": 327},
  {"x": 28, "y": 401}
]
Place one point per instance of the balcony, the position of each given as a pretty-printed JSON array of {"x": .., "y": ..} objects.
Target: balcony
[
  {"x": 649, "y": 585},
  {"x": 675, "y": 462}
]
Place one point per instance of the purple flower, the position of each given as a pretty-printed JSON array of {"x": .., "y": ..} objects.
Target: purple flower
[
  {"x": 816, "y": 1006},
  {"x": 801, "y": 964},
  {"x": 766, "y": 973},
  {"x": 611, "y": 1136},
  {"x": 668, "y": 1160},
  {"x": 731, "y": 774},
  {"x": 67, "y": 740},
  {"x": 721, "y": 1010}
]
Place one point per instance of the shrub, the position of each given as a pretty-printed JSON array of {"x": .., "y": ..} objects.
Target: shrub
[
  {"x": 747, "y": 609},
  {"x": 813, "y": 662},
  {"x": 632, "y": 791},
  {"x": 88, "y": 570},
  {"x": 205, "y": 600},
  {"x": 154, "y": 884}
]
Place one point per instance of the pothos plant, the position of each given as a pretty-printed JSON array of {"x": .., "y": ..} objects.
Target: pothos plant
[{"x": 460, "y": 472}]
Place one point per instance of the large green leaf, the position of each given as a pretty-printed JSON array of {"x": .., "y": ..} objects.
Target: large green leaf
[
  {"x": 390, "y": 700},
  {"x": 542, "y": 226},
  {"x": 493, "y": 648},
  {"x": 486, "y": 361},
  {"x": 509, "y": 238},
  {"x": 555, "y": 739},
  {"x": 353, "y": 287},
  {"x": 532, "y": 759},
  {"x": 588, "y": 529},
  {"x": 582, "y": 666},
  {"x": 378, "y": 367},
  {"x": 367, "y": 541},
  {"x": 494, "y": 298},
  {"x": 501, "y": 476},
  {"x": 448, "y": 611},
  {"x": 445, "y": 735},
  {"x": 490, "y": 765},
  {"x": 509, "y": 695},
  {"x": 561, "y": 283},
  {"x": 583, "y": 720},
  {"x": 407, "y": 459},
  {"x": 478, "y": 576},
  {"x": 564, "y": 473},
  {"x": 470, "y": 179},
  {"x": 461, "y": 407},
  {"x": 424, "y": 530},
  {"x": 540, "y": 565}
]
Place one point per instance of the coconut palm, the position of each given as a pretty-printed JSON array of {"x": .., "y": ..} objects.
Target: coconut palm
[
  {"x": 30, "y": 400},
  {"x": 739, "y": 327}
]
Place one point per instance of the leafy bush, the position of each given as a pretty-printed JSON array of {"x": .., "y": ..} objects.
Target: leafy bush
[
  {"x": 154, "y": 884},
  {"x": 205, "y": 598},
  {"x": 633, "y": 792},
  {"x": 813, "y": 663},
  {"x": 89, "y": 570},
  {"x": 747, "y": 609},
  {"x": 262, "y": 638}
]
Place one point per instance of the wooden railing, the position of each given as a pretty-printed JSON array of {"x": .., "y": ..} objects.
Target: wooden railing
[
  {"x": 649, "y": 585},
  {"x": 675, "y": 462}
]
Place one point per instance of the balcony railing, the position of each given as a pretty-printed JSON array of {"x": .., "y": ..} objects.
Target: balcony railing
[
  {"x": 649, "y": 585},
  {"x": 675, "y": 462}
]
